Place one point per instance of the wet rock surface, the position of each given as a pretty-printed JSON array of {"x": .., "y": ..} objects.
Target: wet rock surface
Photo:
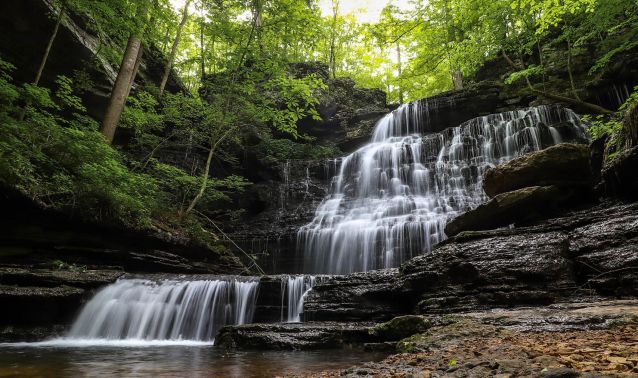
[
  {"x": 39, "y": 303},
  {"x": 294, "y": 336}
]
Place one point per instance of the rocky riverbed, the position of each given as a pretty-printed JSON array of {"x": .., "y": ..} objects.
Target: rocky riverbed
[{"x": 568, "y": 340}]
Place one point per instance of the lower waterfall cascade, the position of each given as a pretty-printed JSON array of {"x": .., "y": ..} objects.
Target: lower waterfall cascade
[
  {"x": 391, "y": 198},
  {"x": 140, "y": 309}
]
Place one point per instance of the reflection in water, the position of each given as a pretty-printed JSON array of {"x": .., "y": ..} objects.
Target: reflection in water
[{"x": 169, "y": 361}]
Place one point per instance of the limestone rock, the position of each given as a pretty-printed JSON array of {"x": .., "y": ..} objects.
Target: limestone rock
[{"x": 563, "y": 165}]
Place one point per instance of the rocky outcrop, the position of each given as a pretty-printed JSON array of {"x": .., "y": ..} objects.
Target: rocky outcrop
[
  {"x": 630, "y": 125},
  {"x": 518, "y": 206},
  {"x": 563, "y": 165},
  {"x": 357, "y": 297},
  {"x": 33, "y": 236},
  {"x": 39, "y": 303},
  {"x": 594, "y": 250}
]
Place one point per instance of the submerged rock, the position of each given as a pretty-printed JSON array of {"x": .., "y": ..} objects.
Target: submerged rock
[{"x": 563, "y": 165}]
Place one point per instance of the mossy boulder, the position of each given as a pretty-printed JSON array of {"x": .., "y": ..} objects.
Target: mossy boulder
[
  {"x": 563, "y": 165},
  {"x": 401, "y": 327}
]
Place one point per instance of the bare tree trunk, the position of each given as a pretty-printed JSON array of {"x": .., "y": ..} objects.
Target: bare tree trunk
[
  {"x": 569, "y": 69},
  {"x": 332, "y": 64},
  {"x": 203, "y": 51},
  {"x": 171, "y": 58},
  {"x": 121, "y": 89},
  {"x": 45, "y": 57},
  {"x": 209, "y": 159},
  {"x": 400, "y": 71}
]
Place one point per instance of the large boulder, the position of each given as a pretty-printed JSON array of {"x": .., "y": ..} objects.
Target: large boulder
[
  {"x": 521, "y": 205},
  {"x": 563, "y": 165}
]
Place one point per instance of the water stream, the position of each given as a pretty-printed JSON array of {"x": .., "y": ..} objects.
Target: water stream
[{"x": 392, "y": 198}]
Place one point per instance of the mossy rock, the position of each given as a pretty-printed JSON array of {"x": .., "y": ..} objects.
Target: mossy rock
[{"x": 401, "y": 327}]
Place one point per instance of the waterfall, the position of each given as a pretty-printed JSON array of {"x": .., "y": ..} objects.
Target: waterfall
[
  {"x": 136, "y": 309},
  {"x": 391, "y": 199},
  {"x": 296, "y": 288}
]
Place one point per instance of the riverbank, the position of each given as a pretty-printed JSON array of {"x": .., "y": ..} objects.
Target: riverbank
[{"x": 570, "y": 340}]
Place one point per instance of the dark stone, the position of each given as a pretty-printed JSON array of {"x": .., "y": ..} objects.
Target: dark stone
[
  {"x": 620, "y": 176},
  {"x": 518, "y": 206},
  {"x": 357, "y": 296},
  {"x": 563, "y": 165},
  {"x": 630, "y": 125},
  {"x": 31, "y": 235},
  {"x": 294, "y": 336}
]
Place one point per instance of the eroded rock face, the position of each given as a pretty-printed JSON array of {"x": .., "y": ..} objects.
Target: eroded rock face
[
  {"x": 594, "y": 250},
  {"x": 563, "y": 165},
  {"x": 630, "y": 124}
]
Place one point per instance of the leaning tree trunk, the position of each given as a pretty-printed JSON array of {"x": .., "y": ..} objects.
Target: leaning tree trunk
[
  {"x": 121, "y": 88},
  {"x": 171, "y": 58},
  {"x": 45, "y": 58}
]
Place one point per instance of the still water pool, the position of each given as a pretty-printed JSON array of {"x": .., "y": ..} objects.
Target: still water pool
[{"x": 59, "y": 359}]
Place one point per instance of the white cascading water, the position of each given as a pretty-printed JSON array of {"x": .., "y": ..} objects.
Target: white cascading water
[
  {"x": 392, "y": 198},
  {"x": 137, "y": 309},
  {"x": 296, "y": 288}
]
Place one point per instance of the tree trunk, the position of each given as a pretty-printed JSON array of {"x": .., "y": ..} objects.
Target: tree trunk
[
  {"x": 457, "y": 79},
  {"x": 171, "y": 58},
  {"x": 333, "y": 39},
  {"x": 136, "y": 68},
  {"x": 45, "y": 57},
  {"x": 121, "y": 89},
  {"x": 400, "y": 71},
  {"x": 203, "y": 51},
  {"x": 569, "y": 69}
]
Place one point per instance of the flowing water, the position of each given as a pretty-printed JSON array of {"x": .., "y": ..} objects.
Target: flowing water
[
  {"x": 165, "y": 311},
  {"x": 296, "y": 288},
  {"x": 392, "y": 198}
]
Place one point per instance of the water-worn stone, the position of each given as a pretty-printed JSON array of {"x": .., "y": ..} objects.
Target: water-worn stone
[
  {"x": 521, "y": 205},
  {"x": 563, "y": 165}
]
